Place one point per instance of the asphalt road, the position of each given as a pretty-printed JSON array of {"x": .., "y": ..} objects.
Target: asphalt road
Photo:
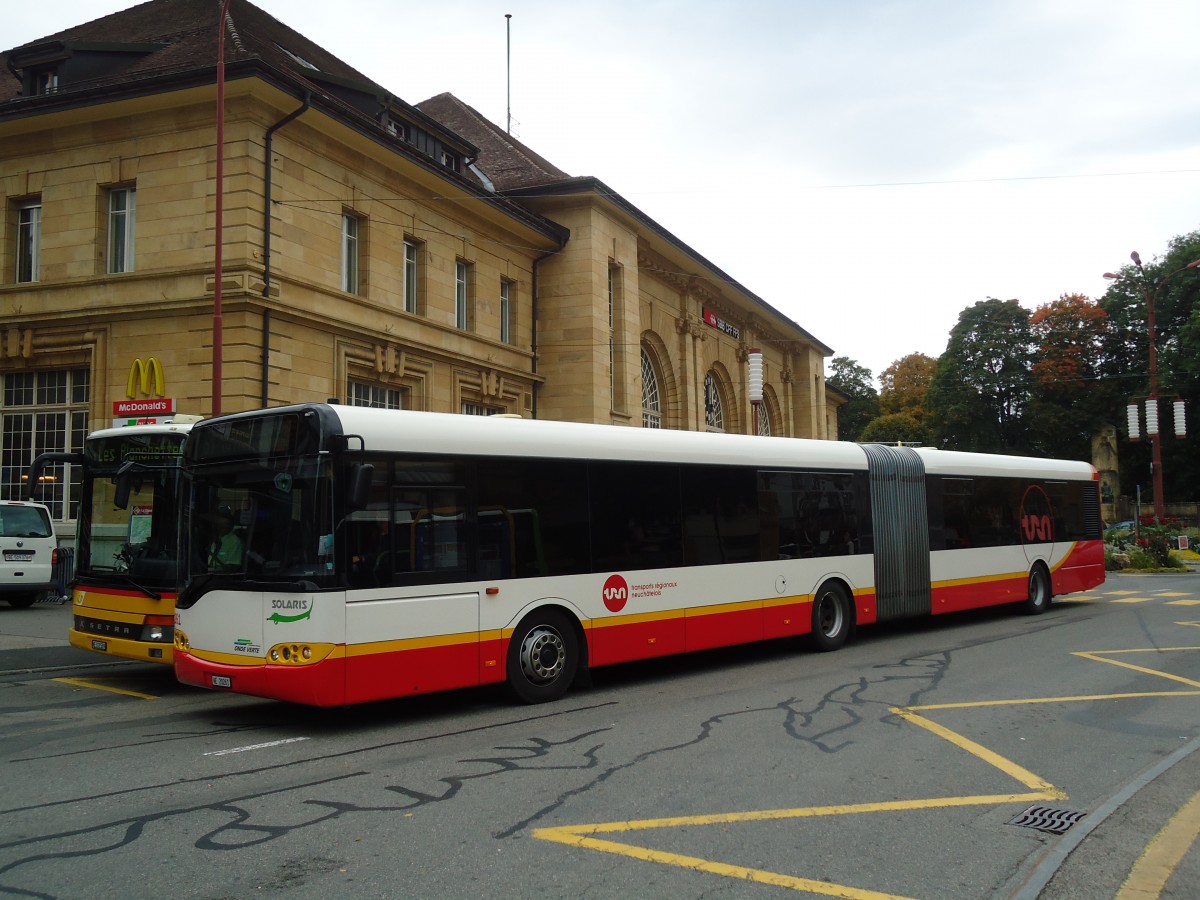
[{"x": 897, "y": 767}]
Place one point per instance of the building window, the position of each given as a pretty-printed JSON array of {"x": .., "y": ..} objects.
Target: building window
[
  {"x": 29, "y": 241},
  {"x": 762, "y": 419},
  {"x": 462, "y": 295},
  {"x": 480, "y": 409},
  {"x": 379, "y": 396},
  {"x": 714, "y": 408},
  {"x": 351, "y": 226},
  {"x": 506, "y": 291},
  {"x": 651, "y": 404},
  {"x": 411, "y": 274},
  {"x": 396, "y": 128},
  {"x": 450, "y": 160},
  {"x": 122, "y": 218},
  {"x": 45, "y": 81},
  {"x": 42, "y": 412}
]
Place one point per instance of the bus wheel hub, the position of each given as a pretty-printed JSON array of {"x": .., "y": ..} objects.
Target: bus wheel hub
[{"x": 542, "y": 654}]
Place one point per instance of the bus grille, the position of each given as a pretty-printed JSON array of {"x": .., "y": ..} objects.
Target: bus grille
[{"x": 108, "y": 629}]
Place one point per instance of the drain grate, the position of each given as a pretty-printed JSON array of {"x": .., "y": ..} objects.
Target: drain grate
[{"x": 1047, "y": 818}]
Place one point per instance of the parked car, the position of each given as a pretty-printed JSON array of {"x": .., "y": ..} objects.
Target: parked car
[{"x": 28, "y": 552}]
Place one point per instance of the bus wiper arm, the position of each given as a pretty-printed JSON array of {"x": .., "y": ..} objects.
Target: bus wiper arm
[{"x": 153, "y": 595}]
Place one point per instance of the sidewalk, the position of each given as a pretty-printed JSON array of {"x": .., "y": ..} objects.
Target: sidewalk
[{"x": 35, "y": 638}]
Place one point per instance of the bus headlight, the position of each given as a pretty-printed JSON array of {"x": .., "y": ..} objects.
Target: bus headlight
[
  {"x": 158, "y": 629},
  {"x": 299, "y": 654}
]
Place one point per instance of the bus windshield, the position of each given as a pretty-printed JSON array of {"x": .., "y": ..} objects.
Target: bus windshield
[
  {"x": 259, "y": 520},
  {"x": 139, "y": 538}
]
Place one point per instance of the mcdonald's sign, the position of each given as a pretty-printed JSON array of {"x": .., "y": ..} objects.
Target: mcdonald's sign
[
  {"x": 146, "y": 375},
  {"x": 145, "y": 379}
]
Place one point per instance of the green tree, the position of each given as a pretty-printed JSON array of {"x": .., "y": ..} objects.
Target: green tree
[
  {"x": 979, "y": 391},
  {"x": 856, "y": 382},
  {"x": 1176, "y": 293},
  {"x": 896, "y": 428},
  {"x": 1068, "y": 400}
]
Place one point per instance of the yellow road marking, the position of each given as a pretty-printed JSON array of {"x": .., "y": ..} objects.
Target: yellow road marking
[
  {"x": 1174, "y": 594},
  {"x": 1158, "y": 862},
  {"x": 87, "y": 683},
  {"x": 1183, "y": 603},
  {"x": 583, "y": 836},
  {"x": 742, "y": 873},
  {"x": 1132, "y": 600},
  {"x": 1099, "y": 656}
]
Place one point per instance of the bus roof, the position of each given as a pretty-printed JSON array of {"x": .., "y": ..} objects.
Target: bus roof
[
  {"x": 136, "y": 430},
  {"x": 427, "y": 432},
  {"x": 955, "y": 462},
  {"x": 395, "y": 430}
]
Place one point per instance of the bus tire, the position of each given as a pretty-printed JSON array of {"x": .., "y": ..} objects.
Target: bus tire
[
  {"x": 543, "y": 657},
  {"x": 831, "y": 617},
  {"x": 1040, "y": 592}
]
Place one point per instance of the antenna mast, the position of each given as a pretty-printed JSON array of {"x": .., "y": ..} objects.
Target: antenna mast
[{"x": 508, "y": 39}]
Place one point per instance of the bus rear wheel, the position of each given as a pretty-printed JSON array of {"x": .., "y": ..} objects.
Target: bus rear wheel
[
  {"x": 831, "y": 618},
  {"x": 1039, "y": 591},
  {"x": 543, "y": 657}
]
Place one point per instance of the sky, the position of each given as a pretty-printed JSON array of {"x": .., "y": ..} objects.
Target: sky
[{"x": 870, "y": 168}]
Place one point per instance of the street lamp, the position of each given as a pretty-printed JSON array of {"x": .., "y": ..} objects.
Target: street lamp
[
  {"x": 755, "y": 361},
  {"x": 1150, "y": 296},
  {"x": 218, "y": 325}
]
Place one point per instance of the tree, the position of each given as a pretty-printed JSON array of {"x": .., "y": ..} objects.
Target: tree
[
  {"x": 981, "y": 385},
  {"x": 855, "y": 381},
  {"x": 1068, "y": 400},
  {"x": 904, "y": 385},
  {"x": 1126, "y": 366},
  {"x": 896, "y": 428}
]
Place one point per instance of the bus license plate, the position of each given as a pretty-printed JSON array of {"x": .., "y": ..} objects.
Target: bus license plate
[
  {"x": 18, "y": 557},
  {"x": 222, "y": 681},
  {"x": 102, "y": 646}
]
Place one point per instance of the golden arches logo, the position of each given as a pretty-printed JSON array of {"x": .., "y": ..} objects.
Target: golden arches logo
[{"x": 147, "y": 376}]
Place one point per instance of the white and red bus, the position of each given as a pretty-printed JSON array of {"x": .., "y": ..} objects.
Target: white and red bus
[{"x": 386, "y": 553}]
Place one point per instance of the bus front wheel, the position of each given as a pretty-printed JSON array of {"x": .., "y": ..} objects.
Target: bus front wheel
[
  {"x": 831, "y": 618},
  {"x": 1039, "y": 591},
  {"x": 543, "y": 657}
]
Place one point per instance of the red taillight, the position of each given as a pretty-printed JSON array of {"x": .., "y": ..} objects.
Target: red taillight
[{"x": 54, "y": 557}]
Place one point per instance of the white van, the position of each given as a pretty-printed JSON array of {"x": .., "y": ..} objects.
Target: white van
[{"x": 28, "y": 552}]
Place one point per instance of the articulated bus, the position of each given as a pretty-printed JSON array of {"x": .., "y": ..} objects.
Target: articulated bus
[
  {"x": 127, "y": 571},
  {"x": 381, "y": 553}
]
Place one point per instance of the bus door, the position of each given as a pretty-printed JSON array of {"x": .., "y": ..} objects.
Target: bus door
[{"x": 414, "y": 629}]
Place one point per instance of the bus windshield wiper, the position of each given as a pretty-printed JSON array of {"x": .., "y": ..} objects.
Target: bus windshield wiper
[{"x": 153, "y": 595}]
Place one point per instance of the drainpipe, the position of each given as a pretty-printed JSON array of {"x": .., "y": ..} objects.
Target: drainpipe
[
  {"x": 267, "y": 197},
  {"x": 534, "y": 342},
  {"x": 266, "y": 354}
]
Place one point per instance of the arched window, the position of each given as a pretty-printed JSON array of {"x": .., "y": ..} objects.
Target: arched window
[
  {"x": 762, "y": 424},
  {"x": 651, "y": 404},
  {"x": 714, "y": 410}
]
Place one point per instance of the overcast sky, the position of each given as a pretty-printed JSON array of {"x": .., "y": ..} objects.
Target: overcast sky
[{"x": 870, "y": 169}]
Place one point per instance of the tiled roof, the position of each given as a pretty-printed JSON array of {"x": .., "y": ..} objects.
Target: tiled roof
[
  {"x": 188, "y": 28},
  {"x": 503, "y": 158}
]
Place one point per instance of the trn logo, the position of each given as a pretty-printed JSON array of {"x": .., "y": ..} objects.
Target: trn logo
[{"x": 616, "y": 593}]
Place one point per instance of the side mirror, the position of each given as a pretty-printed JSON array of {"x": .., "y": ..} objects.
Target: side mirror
[
  {"x": 124, "y": 485},
  {"x": 358, "y": 487}
]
